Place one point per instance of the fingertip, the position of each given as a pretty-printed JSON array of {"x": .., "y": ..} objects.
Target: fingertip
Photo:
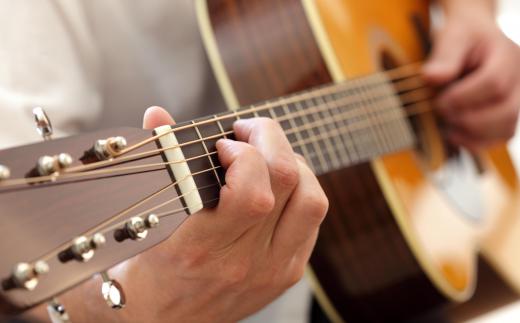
[
  {"x": 437, "y": 73},
  {"x": 242, "y": 128},
  {"x": 155, "y": 117},
  {"x": 226, "y": 149}
]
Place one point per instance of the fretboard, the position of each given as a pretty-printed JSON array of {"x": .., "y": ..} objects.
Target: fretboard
[{"x": 333, "y": 127}]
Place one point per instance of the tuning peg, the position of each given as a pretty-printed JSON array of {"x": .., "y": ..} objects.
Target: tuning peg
[
  {"x": 5, "y": 173},
  {"x": 48, "y": 165},
  {"x": 82, "y": 248},
  {"x": 57, "y": 312},
  {"x": 26, "y": 275},
  {"x": 104, "y": 149},
  {"x": 43, "y": 124},
  {"x": 112, "y": 292},
  {"x": 137, "y": 228}
]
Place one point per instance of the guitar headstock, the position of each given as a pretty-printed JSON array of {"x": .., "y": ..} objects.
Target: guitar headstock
[{"x": 76, "y": 206}]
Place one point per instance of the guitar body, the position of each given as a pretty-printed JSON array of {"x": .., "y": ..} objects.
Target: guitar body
[{"x": 394, "y": 246}]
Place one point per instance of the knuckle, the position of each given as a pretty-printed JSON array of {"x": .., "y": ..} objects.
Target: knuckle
[
  {"x": 285, "y": 171},
  {"x": 498, "y": 87},
  {"x": 261, "y": 202},
  {"x": 468, "y": 124},
  {"x": 317, "y": 206},
  {"x": 294, "y": 276},
  {"x": 192, "y": 259},
  {"x": 236, "y": 275}
]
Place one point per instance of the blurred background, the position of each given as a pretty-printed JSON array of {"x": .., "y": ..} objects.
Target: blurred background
[{"x": 509, "y": 21}]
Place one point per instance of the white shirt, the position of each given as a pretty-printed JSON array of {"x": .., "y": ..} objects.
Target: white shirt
[{"x": 101, "y": 63}]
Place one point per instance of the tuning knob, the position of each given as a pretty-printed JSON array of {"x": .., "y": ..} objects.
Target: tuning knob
[
  {"x": 5, "y": 173},
  {"x": 43, "y": 124},
  {"x": 26, "y": 275},
  {"x": 112, "y": 292},
  {"x": 82, "y": 248},
  {"x": 137, "y": 228},
  {"x": 57, "y": 312},
  {"x": 48, "y": 165}
]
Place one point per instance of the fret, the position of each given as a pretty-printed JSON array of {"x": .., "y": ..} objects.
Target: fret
[
  {"x": 351, "y": 123},
  {"x": 302, "y": 149},
  {"x": 377, "y": 104},
  {"x": 341, "y": 151},
  {"x": 370, "y": 128},
  {"x": 375, "y": 122},
  {"x": 322, "y": 162},
  {"x": 255, "y": 112},
  {"x": 322, "y": 126},
  {"x": 220, "y": 127},
  {"x": 399, "y": 125},
  {"x": 203, "y": 142},
  {"x": 348, "y": 141},
  {"x": 197, "y": 156}
]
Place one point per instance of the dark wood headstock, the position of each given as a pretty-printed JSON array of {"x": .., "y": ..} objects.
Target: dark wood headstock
[{"x": 40, "y": 219}]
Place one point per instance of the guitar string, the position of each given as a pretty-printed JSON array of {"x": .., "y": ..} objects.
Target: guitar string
[
  {"x": 102, "y": 227},
  {"x": 414, "y": 108},
  {"x": 120, "y": 158},
  {"x": 325, "y": 89},
  {"x": 124, "y": 212}
]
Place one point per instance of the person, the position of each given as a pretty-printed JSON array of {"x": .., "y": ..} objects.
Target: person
[{"x": 97, "y": 63}]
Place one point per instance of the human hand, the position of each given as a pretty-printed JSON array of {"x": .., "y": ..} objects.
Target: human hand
[
  {"x": 225, "y": 263},
  {"x": 478, "y": 70}
]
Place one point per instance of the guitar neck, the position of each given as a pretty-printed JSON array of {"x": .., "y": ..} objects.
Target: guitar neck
[{"x": 333, "y": 127}]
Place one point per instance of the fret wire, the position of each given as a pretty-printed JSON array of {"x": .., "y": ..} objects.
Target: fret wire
[
  {"x": 335, "y": 161},
  {"x": 207, "y": 152},
  {"x": 255, "y": 111},
  {"x": 366, "y": 107},
  {"x": 339, "y": 117},
  {"x": 347, "y": 141},
  {"x": 297, "y": 134},
  {"x": 321, "y": 159},
  {"x": 342, "y": 153},
  {"x": 374, "y": 107},
  {"x": 399, "y": 73},
  {"x": 394, "y": 129},
  {"x": 219, "y": 124}
]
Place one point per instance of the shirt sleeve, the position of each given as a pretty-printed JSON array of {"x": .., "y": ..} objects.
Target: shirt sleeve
[{"x": 48, "y": 58}]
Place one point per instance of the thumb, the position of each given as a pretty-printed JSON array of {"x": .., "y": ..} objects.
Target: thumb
[
  {"x": 447, "y": 61},
  {"x": 155, "y": 117}
]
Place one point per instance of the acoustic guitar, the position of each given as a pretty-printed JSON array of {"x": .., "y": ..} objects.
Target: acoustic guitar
[{"x": 408, "y": 212}]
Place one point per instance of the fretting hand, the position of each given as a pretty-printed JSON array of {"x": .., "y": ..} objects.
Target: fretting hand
[{"x": 225, "y": 263}]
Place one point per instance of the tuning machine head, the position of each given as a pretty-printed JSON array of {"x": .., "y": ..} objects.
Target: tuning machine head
[
  {"x": 25, "y": 275},
  {"x": 112, "y": 292},
  {"x": 43, "y": 124},
  {"x": 48, "y": 165},
  {"x": 82, "y": 248},
  {"x": 5, "y": 173},
  {"x": 136, "y": 228}
]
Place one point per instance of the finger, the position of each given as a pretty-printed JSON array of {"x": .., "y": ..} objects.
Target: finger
[
  {"x": 302, "y": 215},
  {"x": 461, "y": 139},
  {"x": 246, "y": 198},
  {"x": 487, "y": 123},
  {"x": 268, "y": 138},
  {"x": 155, "y": 117},
  {"x": 484, "y": 85},
  {"x": 448, "y": 58}
]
